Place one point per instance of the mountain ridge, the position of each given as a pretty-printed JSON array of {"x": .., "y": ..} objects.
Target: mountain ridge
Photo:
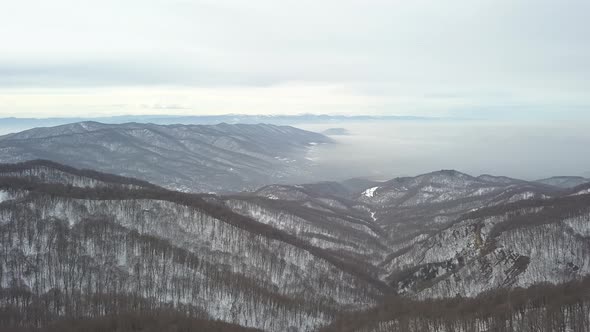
[
  {"x": 565, "y": 182},
  {"x": 196, "y": 158},
  {"x": 285, "y": 257}
]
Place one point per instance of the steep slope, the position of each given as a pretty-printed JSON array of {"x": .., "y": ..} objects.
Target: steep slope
[
  {"x": 444, "y": 187},
  {"x": 450, "y": 233},
  {"x": 83, "y": 244},
  {"x": 413, "y": 206},
  {"x": 313, "y": 214},
  {"x": 196, "y": 158},
  {"x": 517, "y": 245},
  {"x": 515, "y": 263},
  {"x": 89, "y": 251},
  {"x": 542, "y": 308},
  {"x": 45, "y": 171},
  {"x": 436, "y": 247}
]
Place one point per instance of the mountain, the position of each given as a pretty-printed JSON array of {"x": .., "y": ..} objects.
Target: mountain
[
  {"x": 163, "y": 119},
  {"x": 195, "y": 158},
  {"x": 443, "y": 251},
  {"x": 564, "y": 181},
  {"x": 430, "y": 202},
  {"x": 452, "y": 233},
  {"x": 541, "y": 308},
  {"x": 87, "y": 244},
  {"x": 446, "y": 233},
  {"x": 356, "y": 185},
  {"x": 446, "y": 186}
]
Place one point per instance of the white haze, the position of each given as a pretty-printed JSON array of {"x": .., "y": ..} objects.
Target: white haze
[
  {"x": 383, "y": 150},
  {"x": 521, "y": 150}
]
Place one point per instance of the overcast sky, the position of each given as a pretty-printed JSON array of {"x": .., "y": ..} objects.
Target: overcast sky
[{"x": 470, "y": 58}]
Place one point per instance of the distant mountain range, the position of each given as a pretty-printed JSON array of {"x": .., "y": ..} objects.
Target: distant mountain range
[
  {"x": 17, "y": 124},
  {"x": 196, "y": 158},
  {"x": 564, "y": 181},
  {"x": 203, "y": 223}
]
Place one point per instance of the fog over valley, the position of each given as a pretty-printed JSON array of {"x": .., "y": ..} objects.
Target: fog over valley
[{"x": 383, "y": 150}]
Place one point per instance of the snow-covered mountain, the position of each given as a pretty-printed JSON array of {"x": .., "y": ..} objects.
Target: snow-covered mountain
[
  {"x": 295, "y": 257},
  {"x": 195, "y": 158},
  {"x": 98, "y": 244},
  {"x": 446, "y": 186},
  {"x": 410, "y": 207},
  {"x": 447, "y": 233},
  {"x": 514, "y": 245}
]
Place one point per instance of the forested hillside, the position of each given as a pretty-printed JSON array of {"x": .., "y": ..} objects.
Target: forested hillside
[
  {"x": 88, "y": 249},
  {"x": 190, "y": 158}
]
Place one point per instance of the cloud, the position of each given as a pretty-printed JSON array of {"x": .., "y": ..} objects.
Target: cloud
[{"x": 424, "y": 56}]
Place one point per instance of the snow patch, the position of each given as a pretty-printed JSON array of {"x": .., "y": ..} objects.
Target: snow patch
[
  {"x": 370, "y": 192},
  {"x": 285, "y": 160},
  {"x": 4, "y": 196},
  {"x": 521, "y": 197},
  {"x": 582, "y": 192}
]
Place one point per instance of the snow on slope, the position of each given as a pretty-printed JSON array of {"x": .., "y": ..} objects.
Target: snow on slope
[
  {"x": 370, "y": 192},
  {"x": 432, "y": 236},
  {"x": 173, "y": 254},
  {"x": 196, "y": 158},
  {"x": 4, "y": 196}
]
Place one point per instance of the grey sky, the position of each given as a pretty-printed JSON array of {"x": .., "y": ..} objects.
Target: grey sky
[{"x": 424, "y": 57}]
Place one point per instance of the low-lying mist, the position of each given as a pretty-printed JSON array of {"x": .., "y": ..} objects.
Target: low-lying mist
[
  {"x": 387, "y": 149},
  {"x": 390, "y": 149}
]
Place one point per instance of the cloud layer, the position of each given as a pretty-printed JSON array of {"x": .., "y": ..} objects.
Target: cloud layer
[{"x": 423, "y": 57}]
